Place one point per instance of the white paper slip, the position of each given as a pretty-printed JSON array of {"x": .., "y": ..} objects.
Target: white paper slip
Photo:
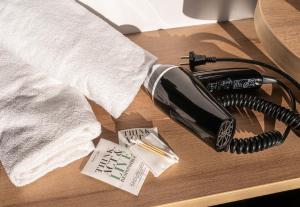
[
  {"x": 126, "y": 135},
  {"x": 117, "y": 166},
  {"x": 155, "y": 161},
  {"x": 156, "y": 154}
]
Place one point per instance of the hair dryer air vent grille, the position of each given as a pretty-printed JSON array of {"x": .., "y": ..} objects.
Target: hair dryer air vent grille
[{"x": 225, "y": 134}]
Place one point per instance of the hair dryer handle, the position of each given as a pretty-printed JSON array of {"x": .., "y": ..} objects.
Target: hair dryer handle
[
  {"x": 230, "y": 79},
  {"x": 189, "y": 103}
]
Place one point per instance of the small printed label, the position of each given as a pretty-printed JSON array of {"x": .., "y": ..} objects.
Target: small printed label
[
  {"x": 244, "y": 83},
  {"x": 126, "y": 135},
  {"x": 117, "y": 166},
  {"x": 220, "y": 85}
]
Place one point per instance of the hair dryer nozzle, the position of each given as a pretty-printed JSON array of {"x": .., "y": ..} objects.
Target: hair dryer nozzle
[{"x": 177, "y": 93}]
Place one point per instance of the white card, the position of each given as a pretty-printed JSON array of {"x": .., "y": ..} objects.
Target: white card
[
  {"x": 117, "y": 166},
  {"x": 156, "y": 163}
]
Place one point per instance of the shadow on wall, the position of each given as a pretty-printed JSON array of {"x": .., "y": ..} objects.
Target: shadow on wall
[
  {"x": 124, "y": 29},
  {"x": 220, "y": 10}
]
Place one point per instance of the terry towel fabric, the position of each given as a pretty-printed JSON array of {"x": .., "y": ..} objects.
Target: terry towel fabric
[
  {"x": 77, "y": 47},
  {"x": 43, "y": 124}
]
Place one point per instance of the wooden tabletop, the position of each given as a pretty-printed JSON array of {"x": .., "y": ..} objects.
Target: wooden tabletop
[
  {"x": 277, "y": 24},
  {"x": 203, "y": 176}
]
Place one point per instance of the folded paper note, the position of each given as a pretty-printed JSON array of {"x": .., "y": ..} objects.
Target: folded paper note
[
  {"x": 117, "y": 166},
  {"x": 146, "y": 144}
]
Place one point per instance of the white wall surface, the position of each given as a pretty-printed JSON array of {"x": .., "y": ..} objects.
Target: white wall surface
[{"x": 145, "y": 15}]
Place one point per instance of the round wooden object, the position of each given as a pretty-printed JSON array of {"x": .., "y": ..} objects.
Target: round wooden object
[{"x": 277, "y": 23}]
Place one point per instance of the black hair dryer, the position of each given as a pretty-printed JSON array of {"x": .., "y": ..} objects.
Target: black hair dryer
[
  {"x": 187, "y": 101},
  {"x": 191, "y": 98}
]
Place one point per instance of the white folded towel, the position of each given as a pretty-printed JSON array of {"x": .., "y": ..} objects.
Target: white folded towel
[
  {"x": 43, "y": 124},
  {"x": 77, "y": 47}
]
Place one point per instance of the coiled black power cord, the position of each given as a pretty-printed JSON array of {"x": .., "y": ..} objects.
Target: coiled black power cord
[{"x": 267, "y": 139}]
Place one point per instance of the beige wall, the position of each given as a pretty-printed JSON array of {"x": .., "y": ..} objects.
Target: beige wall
[{"x": 146, "y": 15}]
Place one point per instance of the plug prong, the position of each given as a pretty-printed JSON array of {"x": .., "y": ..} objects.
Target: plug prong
[{"x": 184, "y": 57}]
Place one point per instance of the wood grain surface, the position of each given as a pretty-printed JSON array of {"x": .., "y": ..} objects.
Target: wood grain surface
[
  {"x": 277, "y": 23},
  {"x": 203, "y": 176}
]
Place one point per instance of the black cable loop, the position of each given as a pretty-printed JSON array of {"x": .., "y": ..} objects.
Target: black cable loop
[{"x": 265, "y": 140}]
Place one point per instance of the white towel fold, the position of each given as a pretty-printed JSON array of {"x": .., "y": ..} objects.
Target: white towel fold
[
  {"x": 77, "y": 47},
  {"x": 43, "y": 124}
]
